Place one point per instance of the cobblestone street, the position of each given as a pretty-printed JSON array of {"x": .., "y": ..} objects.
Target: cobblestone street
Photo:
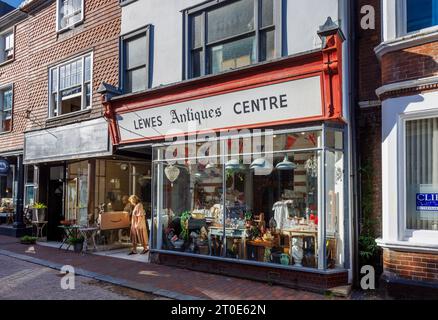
[{"x": 27, "y": 281}]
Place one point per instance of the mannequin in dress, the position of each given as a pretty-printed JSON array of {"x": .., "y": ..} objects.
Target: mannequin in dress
[{"x": 139, "y": 233}]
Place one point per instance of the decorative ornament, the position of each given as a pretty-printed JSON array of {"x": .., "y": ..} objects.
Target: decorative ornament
[
  {"x": 172, "y": 173},
  {"x": 311, "y": 166}
]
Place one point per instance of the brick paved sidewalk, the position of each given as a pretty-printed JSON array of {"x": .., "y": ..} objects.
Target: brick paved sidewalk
[{"x": 157, "y": 279}]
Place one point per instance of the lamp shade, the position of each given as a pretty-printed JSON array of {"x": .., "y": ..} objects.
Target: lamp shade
[
  {"x": 261, "y": 167},
  {"x": 232, "y": 164},
  {"x": 286, "y": 164}
]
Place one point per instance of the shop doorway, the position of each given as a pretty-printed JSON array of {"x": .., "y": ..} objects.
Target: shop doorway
[{"x": 55, "y": 203}]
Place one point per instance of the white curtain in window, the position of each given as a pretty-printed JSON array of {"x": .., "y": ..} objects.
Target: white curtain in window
[{"x": 421, "y": 172}]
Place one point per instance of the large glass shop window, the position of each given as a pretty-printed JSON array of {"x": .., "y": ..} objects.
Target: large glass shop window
[
  {"x": 77, "y": 192},
  {"x": 262, "y": 205}
]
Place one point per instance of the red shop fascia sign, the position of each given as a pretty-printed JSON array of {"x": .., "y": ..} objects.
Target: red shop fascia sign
[{"x": 292, "y": 90}]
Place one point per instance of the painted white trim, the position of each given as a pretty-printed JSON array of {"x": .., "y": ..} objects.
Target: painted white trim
[
  {"x": 407, "y": 41},
  {"x": 369, "y": 104},
  {"x": 407, "y": 246},
  {"x": 407, "y": 85},
  {"x": 395, "y": 111}
]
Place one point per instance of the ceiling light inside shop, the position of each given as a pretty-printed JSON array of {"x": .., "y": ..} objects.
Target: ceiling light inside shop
[
  {"x": 261, "y": 167},
  {"x": 286, "y": 164}
]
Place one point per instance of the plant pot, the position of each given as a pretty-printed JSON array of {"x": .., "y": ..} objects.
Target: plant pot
[
  {"x": 39, "y": 215},
  {"x": 77, "y": 247}
]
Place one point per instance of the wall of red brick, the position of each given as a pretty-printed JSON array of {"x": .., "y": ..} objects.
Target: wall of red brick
[
  {"x": 16, "y": 72},
  {"x": 411, "y": 266},
  {"x": 368, "y": 67},
  {"x": 369, "y": 119},
  {"x": 411, "y": 63},
  {"x": 99, "y": 33}
]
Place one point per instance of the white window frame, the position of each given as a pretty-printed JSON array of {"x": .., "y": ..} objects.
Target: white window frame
[
  {"x": 405, "y": 234},
  {"x": 402, "y": 21},
  {"x": 7, "y": 87},
  {"x": 3, "y": 37},
  {"x": 58, "y": 16},
  {"x": 83, "y": 84}
]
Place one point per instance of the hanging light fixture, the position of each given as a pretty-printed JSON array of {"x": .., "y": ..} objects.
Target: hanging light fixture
[
  {"x": 286, "y": 164},
  {"x": 261, "y": 167},
  {"x": 232, "y": 164}
]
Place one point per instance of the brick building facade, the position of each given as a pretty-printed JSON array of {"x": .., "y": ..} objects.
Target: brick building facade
[
  {"x": 47, "y": 39},
  {"x": 408, "y": 56}
]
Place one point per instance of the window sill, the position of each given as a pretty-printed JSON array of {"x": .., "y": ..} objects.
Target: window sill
[
  {"x": 407, "y": 41},
  {"x": 126, "y": 2},
  {"x": 68, "y": 115},
  {"x": 5, "y": 132},
  {"x": 6, "y": 62},
  {"x": 409, "y": 246},
  {"x": 69, "y": 28}
]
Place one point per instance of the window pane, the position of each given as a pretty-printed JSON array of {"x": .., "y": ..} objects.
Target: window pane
[
  {"x": 267, "y": 12},
  {"x": 421, "y": 14},
  {"x": 232, "y": 55},
  {"x": 422, "y": 174},
  {"x": 267, "y": 45},
  {"x": 136, "y": 52},
  {"x": 230, "y": 20},
  {"x": 71, "y": 74},
  {"x": 54, "y": 78},
  {"x": 87, "y": 75},
  {"x": 87, "y": 95},
  {"x": 136, "y": 80},
  {"x": 70, "y": 12},
  {"x": 7, "y": 100},
  {"x": 196, "y": 31},
  {"x": 196, "y": 63}
]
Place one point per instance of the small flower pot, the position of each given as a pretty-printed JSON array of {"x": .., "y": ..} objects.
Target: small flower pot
[{"x": 78, "y": 246}]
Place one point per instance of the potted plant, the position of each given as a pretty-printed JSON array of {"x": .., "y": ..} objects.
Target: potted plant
[
  {"x": 39, "y": 211},
  {"x": 28, "y": 240},
  {"x": 77, "y": 243}
]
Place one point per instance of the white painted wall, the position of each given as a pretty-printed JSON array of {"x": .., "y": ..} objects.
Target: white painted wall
[
  {"x": 393, "y": 110},
  {"x": 303, "y": 19}
]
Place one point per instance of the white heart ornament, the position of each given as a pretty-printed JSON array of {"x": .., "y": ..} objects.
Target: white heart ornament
[{"x": 172, "y": 173}]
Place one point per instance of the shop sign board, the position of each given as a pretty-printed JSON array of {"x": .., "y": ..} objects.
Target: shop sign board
[
  {"x": 426, "y": 201},
  {"x": 278, "y": 103},
  {"x": 74, "y": 141},
  {"x": 4, "y": 167}
]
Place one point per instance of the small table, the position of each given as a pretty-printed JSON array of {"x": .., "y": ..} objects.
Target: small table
[
  {"x": 229, "y": 233},
  {"x": 302, "y": 232},
  {"x": 88, "y": 233},
  {"x": 69, "y": 231},
  {"x": 39, "y": 225}
]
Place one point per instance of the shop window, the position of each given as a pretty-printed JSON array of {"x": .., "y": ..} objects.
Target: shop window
[
  {"x": 70, "y": 86},
  {"x": 77, "y": 193},
  {"x": 7, "y": 46},
  {"x": 7, "y": 203},
  {"x": 267, "y": 207},
  {"x": 115, "y": 182},
  {"x": 6, "y": 100},
  {"x": 422, "y": 174},
  {"x": 70, "y": 13},
  {"x": 232, "y": 34},
  {"x": 135, "y": 60},
  {"x": 30, "y": 185}
]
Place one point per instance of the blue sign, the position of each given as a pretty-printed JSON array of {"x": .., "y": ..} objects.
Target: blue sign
[
  {"x": 4, "y": 167},
  {"x": 427, "y": 201}
]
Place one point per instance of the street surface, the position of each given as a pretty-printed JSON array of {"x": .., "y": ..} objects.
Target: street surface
[{"x": 20, "y": 280}]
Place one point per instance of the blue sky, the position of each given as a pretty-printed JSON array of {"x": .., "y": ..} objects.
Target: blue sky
[{"x": 13, "y": 3}]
